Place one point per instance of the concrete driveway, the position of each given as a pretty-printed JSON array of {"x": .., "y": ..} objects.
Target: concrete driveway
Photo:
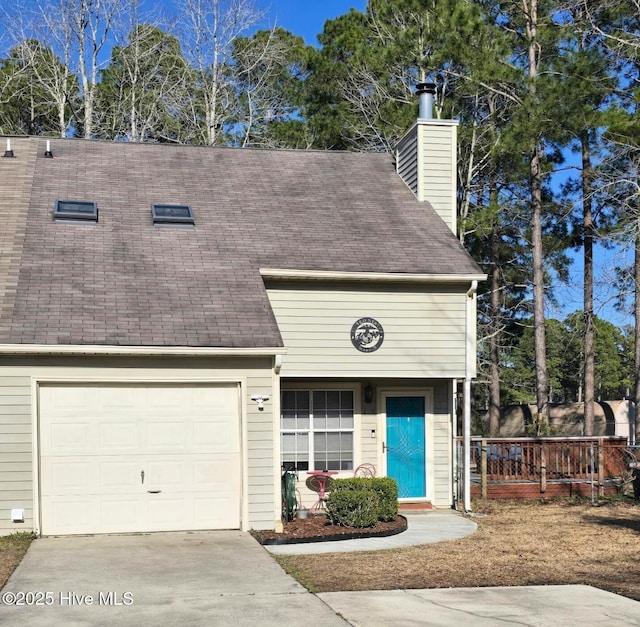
[
  {"x": 208, "y": 578},
  {"x": 226, "y": 578}
]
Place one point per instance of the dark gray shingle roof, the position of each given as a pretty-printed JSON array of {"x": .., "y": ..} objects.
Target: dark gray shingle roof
[{"x": 124, "y": 282}]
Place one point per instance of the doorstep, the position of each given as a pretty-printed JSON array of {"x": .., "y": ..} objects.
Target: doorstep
[{"x": 415, "y": 507}]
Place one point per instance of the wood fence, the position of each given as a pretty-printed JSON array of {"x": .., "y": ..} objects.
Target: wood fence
[{"x": 542, "y": 466}]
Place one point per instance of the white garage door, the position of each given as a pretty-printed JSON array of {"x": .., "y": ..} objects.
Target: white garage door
[{"x": 139, "y": 457}]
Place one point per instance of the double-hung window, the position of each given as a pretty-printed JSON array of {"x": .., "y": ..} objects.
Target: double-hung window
[{"x": 317, "y": 429}]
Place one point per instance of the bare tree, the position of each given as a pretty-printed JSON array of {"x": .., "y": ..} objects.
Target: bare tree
[
  {"x": 46, "y": 57},
  {"x": 208, "y": 29},
  {"x": 144, "y": 87}
]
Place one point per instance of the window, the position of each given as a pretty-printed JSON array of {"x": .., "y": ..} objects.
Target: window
[
  {"x": 317, "y": 429},
  {"x": 172, "y": 214},
  {"x": 72, "y": 210}
]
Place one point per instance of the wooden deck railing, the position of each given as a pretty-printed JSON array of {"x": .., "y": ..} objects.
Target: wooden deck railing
[{"x": 547, "y": 459}]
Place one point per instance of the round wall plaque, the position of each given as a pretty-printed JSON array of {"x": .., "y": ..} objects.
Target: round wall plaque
[{"x": 367, "y": 335}]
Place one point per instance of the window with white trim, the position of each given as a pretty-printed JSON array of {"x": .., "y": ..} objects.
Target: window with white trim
[{"x": 317, "y": 429}]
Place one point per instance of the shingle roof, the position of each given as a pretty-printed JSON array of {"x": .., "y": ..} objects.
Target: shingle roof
[{"x": 124, "y": 282}]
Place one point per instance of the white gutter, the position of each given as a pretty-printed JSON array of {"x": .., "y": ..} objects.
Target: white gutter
[
  {"x": 91, "y": 349},
  {"x": 469, "y": 369},
  {"x": 396, "y": 277}
]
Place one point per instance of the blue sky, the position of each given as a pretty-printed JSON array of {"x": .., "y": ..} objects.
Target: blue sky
[
  {"x": 302, "y": 17},
  {"x": 307, "y": 17}
]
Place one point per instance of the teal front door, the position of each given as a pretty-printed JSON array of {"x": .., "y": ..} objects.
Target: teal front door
[{"x": 406, "y": 445}]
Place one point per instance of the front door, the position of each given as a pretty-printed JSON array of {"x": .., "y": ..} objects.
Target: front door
[{"x": 405, "y": 445}]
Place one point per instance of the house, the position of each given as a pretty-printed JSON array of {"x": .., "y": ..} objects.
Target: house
[{"x": 178, "y": 322}]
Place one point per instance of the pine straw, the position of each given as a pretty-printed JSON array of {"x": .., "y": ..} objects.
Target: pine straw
[{"x": 517, "y": 543}]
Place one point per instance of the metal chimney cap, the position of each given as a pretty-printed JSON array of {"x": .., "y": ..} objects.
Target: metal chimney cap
[{"x": 425, "y": 88}]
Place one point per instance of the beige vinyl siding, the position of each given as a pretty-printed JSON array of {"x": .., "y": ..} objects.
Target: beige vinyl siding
[
  {"x": 18, "y": 382},
  {"x": 407, "y": 160},
  {"x": 16, "y": 483},
  {"x": 424, "y": 330},
  {"x": 437, "y": 169},
  {"x": 426, "y": 162},
  {"x": 442, "y": 434}
]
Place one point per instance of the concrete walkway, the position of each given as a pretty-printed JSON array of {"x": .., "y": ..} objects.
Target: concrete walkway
[
  {"x": 534, "y": 606},
  {"x": 423, "y": 528}
]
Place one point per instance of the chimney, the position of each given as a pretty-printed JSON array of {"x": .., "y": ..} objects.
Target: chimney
[
  {"x": 426, "y": 92},
  {"x": 426, "y": 158}
]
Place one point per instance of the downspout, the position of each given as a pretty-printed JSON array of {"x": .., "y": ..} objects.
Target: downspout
[{"x": 469, "y": 369}]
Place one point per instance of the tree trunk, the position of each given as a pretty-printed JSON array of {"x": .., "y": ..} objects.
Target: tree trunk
[
  {"x": 542, "y": 387},
  {"x": 494, "y": 335},
  {"x": 589, "y": 358},
  {"x": 636, "y": 273}
]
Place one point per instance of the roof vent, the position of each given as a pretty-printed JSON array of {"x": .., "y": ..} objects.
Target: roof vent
[
  {"x": 175, "y": 215},
  {"x": 8, "y": 152},
  {"x": 426, "y": 92},
  {"x": 47, "y": 153}
]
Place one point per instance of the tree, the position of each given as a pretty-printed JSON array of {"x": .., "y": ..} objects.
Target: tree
[
  {"x": 37, "y": 90},
  {"x": 208, "y": 30},
  {"x": 144, "y": 87},
  {"x": 617, "y": 23},
  {"x": 268, "y": 73}
]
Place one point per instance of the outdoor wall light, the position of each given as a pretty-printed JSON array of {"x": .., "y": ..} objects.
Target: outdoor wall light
[
  {"x": 260, "y": 399},
  {"x": 368, "y": 393}
]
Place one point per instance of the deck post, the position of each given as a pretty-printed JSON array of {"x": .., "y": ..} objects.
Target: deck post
[
  {"x": 601, "y": 469},
  {"x": 543, "y": 469},
  {"x": 483, "y": 468}
]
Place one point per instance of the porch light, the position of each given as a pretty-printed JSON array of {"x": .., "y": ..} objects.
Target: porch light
[{"x": 368, "y": 393}]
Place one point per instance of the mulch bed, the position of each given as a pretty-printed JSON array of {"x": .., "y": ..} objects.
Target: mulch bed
[{"x": 317, "y": 528}]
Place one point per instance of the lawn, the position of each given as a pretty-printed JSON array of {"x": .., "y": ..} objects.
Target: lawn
[
  {"x": 12, "y": 550},
  {"x": 517, "y": 543}
]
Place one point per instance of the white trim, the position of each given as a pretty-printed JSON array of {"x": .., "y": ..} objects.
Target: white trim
[
  {"x": 159, "y": 351},
  {"x": 427, "y": 394},
  {"x": 323, "y": 275},
  {"x": 239, "y": 382},
  {"x": 469, "y": 373},
  {"x": 320, "y": 385},
  {"x": 277, "y": 454}
]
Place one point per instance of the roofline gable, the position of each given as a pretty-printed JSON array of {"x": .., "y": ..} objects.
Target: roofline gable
[{"x": 385, "y": 277}]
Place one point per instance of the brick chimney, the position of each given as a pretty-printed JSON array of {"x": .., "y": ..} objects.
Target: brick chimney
[{"x": 426, "y": 158}]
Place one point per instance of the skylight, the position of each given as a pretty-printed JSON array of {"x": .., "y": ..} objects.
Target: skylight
[
  {"x": 83, "y": 210},
  {"x": 172, "y": 214}
]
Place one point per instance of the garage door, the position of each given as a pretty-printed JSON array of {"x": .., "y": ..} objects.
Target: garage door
[{"x": 132, "y": 457}]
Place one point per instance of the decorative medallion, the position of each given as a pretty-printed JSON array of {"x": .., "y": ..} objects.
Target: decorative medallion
[{"x": 367, "y": 335}]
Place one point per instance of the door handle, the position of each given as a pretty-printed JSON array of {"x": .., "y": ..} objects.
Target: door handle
[
  {"x": 384, "y": 446},
  {"x": 142, "y": 476}
]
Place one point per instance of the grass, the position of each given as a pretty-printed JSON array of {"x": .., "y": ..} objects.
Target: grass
[
  {"x": 517, "y": 544},
  {"x": 12, "y": 550}
]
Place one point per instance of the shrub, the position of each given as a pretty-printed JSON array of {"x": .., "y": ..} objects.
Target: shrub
[
  {"x": 385, "y": 488},
  {"x": 353, "y": 508}
]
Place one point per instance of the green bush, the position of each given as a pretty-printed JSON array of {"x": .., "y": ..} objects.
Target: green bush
[
  {"x": 385, "y": 488},
  {"x": 353, "y": 508}
]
